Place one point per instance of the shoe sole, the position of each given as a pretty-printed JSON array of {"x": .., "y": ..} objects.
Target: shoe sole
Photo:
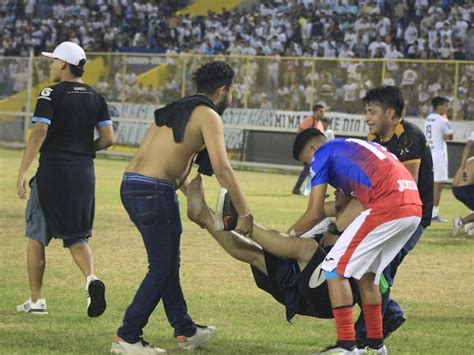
[
  {"x": 218, "y": 220},
  {"x": 98, "y": 305},
  {"x": 39, "y": 313}
]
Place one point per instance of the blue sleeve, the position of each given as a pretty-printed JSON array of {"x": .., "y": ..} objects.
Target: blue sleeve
[
  {"x": 320, "y": 167},
  {"x": 44, "y": 107}
]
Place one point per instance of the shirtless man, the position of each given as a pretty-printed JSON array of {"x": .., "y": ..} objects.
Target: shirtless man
[{"x": 182, "y": 129}]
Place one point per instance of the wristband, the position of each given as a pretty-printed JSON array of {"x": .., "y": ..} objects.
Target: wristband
[
  {"x": 245, "y": 215},
  {"x": 333, "y": 229}
]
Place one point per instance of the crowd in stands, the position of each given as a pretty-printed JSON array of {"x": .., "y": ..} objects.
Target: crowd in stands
[
  {"x": 417, "y": 29},
  {"x": 434, "y": 29}
]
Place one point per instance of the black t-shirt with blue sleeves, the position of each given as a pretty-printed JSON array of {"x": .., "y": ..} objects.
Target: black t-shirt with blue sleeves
[{"x": 72, "y": 110}]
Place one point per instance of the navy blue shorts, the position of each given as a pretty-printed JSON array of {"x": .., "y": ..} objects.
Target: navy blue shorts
[
  {"x": 465, "y": 194},
  {"x": 36, "y": 226}
]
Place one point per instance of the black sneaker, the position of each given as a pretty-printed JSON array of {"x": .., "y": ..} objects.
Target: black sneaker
[
  {"x": 391, "y": 324},
  {"x": 226, "y": 215}
]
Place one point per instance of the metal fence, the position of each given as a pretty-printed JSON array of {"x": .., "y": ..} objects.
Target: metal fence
[{"x": 261, "y": 82}]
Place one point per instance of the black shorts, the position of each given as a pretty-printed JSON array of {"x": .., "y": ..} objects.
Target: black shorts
[
  {"x": 465, "y": 194},
  {"x": 301, "y": 292}
]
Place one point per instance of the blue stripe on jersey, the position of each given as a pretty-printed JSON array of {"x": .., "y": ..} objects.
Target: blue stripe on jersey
[
  {"x": 104, "y": 123},
  {"x": 350, "y": 171},
  {"x": 42, "y": 120},
  {"x": 342, "y": 164}
]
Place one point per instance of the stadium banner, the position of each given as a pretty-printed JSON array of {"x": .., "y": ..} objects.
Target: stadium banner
[{"x": 238, "y": 120}]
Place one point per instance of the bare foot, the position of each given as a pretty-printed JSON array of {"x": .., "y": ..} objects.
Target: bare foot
[{"x": 198, "y": 211}]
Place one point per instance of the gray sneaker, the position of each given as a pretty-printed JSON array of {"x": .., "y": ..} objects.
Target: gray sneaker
[
  {"x": 120, "y": 346},
  {"x": 202, "y": 335}
]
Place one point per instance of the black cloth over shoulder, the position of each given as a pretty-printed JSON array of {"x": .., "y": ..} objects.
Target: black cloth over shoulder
[{"x": 176, "y": 116}]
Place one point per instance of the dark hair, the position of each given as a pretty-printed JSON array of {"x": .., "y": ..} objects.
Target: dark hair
[
  {"x": 318, "y": 107},
  {"x": 387, "y": 97},
  {"x": 77, "y": 70},
  {"x": 213, "y": 75},
  {"x": 438, "y": 101},
  {"x": 303, "y": 138}
]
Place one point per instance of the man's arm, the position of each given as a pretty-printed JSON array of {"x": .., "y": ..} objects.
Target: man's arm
[
  {"x": 448, "y": 137},
  {"x": 212, "y": 130},
  {"x": 106, "y": 137},
  {"x": 37, "y": 137},
  {"x": 330, "y": 209},
  {"x": 314, "y": 212},
  {"x": 466, "y": 153},
  {"x": 413, "y": 166}
]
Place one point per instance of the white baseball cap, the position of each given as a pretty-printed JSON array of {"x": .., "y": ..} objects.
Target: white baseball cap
[{"x": 70, "y": 52}]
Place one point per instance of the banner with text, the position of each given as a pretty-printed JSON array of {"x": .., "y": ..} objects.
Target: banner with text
[{"x": 238, "y": 120}]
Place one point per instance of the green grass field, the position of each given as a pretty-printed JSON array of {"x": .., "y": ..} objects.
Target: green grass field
[{"x": 435, "y": 285}]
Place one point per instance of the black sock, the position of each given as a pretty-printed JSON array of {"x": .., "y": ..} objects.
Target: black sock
[
  {"x": 374, "y": 343},
  {"x": 346, "y": 344}
]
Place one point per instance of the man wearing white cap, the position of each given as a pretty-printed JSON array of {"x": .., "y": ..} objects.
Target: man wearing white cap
[{"x": 61, "y": 202}]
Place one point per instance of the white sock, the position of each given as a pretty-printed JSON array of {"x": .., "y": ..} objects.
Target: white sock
[
  {"x": 90, "y": 278},
  {"x": 435, "y": 211}
]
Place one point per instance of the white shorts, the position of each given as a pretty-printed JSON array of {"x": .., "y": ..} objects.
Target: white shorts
[
  {"x": 372, "y": 240},
  {"x": 440, "y": 169}
]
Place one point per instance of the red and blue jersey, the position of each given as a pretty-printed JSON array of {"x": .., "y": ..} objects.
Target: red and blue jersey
[{"x": 366, "y": 171}]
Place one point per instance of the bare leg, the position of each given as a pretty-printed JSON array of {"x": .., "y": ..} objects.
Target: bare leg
[
  {"x": 36, "y": 266},
  {"x": 369, "y": 292},
  {"x": 82, "y": 255},
  {"x": 233, "y": 243},
  {"x": 276, "y": 243},
  {"x": 468, "y": 219},
  {"x": 284, "y": 246},
  {"x": 340, "y": 292},
  {"x": 438, "y": 187}
]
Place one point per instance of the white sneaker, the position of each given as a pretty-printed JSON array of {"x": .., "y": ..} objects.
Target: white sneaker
[
  {"x": 38, "y": 307},
  {"x": 202, "y": 335},
  {"x": 95, "y": 293},
  {"x": 457, "y": 225},
  {"x": 468, "y": 227},
  {"x": 379, "y": 351},
  {"x": 120, "y": 346}
]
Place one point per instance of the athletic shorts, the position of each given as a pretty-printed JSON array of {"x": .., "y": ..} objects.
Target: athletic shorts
[
  {"x": 440, "y": 169},
  {"x": 465, "y": 194},
  {"x": 372, "y": 241},
  {"x": 36, "y": 226},
  {"x": 301, "y": 292}
]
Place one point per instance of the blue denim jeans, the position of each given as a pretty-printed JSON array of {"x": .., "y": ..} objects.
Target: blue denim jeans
[
  {"x": 390, "y": 307},
  {"x": 153, "y": 207}
]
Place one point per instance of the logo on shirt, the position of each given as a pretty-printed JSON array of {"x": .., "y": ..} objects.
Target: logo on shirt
[
  {"x": 404, "y": 147},
  {"x": 406, "y": 185},
  {"x": 46, "y": 93},
  {"x": 80, "y": 88},
  {"x": 317, "y": 277}
]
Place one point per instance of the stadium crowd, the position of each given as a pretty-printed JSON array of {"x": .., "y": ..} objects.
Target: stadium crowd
[
  {"x": 417, "y": 29},
  {"x": 424, "y": 29}
]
